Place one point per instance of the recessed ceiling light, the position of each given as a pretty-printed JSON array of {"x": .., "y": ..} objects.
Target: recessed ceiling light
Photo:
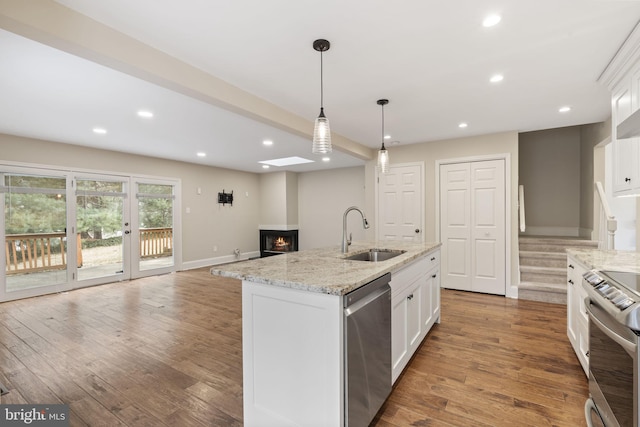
[
  {"x": 201, "y": 154},
  {"x": 326, "y": 159},
  {"x": 394, "y": 143},
  {"x": 100, "y": 131},
  {"x": 286, "y": 161},
  {"x": 267, "y": 142},
  {"x": 463, "y": 125},
  {"x": 387, "y": 137},
  {"x": 146, "y": 114},
  {"x": 265, "y": 166},
  {"x": 491, "y": 20},
  {"x": 564, "y": 109},
  {"x": 496, "y": 78}
]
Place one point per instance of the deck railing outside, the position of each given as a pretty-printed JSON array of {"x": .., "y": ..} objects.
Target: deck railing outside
[
  {"x": 35, "y": 252},
  {"x": 156, "y": 242},
  {"x": 29, "y": 253}
]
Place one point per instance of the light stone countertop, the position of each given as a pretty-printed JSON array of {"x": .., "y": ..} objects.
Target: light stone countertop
[
  {"x": 323, "y": 270},
  {"x": 607, "y": 260}
]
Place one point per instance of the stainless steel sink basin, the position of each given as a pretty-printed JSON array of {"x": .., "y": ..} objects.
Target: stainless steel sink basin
[{"x": 374, "y": 255}]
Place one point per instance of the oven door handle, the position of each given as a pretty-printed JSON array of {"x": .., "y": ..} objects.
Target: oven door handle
[{"x": 627, "y": 345}]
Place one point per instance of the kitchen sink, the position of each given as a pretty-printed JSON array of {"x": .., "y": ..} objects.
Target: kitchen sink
[{"x": 374, "y": 255}]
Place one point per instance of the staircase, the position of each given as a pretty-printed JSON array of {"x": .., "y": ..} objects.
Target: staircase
[{"x": 543, "y": 267}]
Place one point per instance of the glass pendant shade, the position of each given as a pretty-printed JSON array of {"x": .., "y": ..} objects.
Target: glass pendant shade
[
  {"x": 383, "y": 154},
  {"x": 383, "y": 160},
  {"x": 321, "y": 135},
  {"x": 321, "y": 132}
]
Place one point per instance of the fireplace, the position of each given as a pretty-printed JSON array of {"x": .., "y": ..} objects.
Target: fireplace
[{"x": 274, "y": 242}]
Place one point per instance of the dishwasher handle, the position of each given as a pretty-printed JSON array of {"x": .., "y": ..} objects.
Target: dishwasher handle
[{"x": 353, "y": 308}]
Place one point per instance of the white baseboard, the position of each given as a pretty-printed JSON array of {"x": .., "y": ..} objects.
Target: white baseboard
[{"x": 191, "y": 265}]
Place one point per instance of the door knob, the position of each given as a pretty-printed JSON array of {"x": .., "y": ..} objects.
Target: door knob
[
  {"x": 417, "y": 230},
  {"x": 127, "y": 232}
]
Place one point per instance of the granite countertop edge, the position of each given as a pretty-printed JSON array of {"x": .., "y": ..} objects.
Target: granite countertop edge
[
  {"x": 628, "y": 261},
  {"x": 323, "y": 270}
]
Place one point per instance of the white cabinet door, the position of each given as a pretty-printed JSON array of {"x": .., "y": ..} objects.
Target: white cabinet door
[
  {"x": 414, "y": 327},
  {"x": 577, "y": 318},
  {"x": 572, "y": 299},
  {"x": 430, "y": 304},
  {"x": 625, "y": 151},
  {"x": 399, "y": 337},
  {"x": 406, "y": 331}
]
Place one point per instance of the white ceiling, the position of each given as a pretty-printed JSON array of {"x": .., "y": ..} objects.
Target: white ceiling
[{"x": 431, "y": 59}]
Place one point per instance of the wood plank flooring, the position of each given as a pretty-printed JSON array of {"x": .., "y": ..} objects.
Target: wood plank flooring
[{"x": 167, "y": 351}]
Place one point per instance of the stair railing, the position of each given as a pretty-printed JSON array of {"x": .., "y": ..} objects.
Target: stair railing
[
  {"x": 523, "y": 224},
  {"x": 608, "y": 222}
]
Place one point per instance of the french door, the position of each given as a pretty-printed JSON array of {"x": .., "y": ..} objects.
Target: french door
[{"x": 65, "y": 230}]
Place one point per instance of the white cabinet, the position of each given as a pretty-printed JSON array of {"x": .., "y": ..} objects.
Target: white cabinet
[
  {"x": 626, "y": 158},
  {"x": 415, "y": 307},
  {"x": 577, "y": 318},
  {"x": 622, "y": 77}
]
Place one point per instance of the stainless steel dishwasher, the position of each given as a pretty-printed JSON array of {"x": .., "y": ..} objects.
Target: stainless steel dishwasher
[{"x": 367, "y": 350}]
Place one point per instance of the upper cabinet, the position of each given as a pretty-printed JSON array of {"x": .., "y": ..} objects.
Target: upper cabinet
[
  {"x": 622, "y": 77},
  {"x": 625, "y": 150}
]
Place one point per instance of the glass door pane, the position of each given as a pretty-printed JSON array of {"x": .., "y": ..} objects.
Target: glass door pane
[
  {"x": 155, "y": 220},
  {"x": 35, "y": 224},
  {"x": 100, "y": 220}
]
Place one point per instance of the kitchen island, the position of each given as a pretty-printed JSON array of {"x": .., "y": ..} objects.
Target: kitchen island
[{"x": 292, "y": 308}]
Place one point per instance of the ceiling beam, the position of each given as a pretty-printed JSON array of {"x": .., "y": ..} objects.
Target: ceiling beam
[{"x": 55, "y": 25}]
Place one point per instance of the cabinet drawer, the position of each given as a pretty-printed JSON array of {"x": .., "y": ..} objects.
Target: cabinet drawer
[
  {"x": 404, "y": 277},
  {"x": 433, "y": 260}
]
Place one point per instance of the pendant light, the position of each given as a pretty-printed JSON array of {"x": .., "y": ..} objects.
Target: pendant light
[
  {"x": 321, "y": 131},
  {"x": 383, "y": 154}
]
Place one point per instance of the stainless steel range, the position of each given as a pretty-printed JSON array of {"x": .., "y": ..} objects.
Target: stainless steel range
[{"x": 613, "y": 305}]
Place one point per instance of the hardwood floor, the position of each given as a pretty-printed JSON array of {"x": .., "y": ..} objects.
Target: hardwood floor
[{"x": 166, "y": 351}]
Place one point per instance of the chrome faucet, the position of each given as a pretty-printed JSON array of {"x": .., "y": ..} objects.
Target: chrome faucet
[{"x": 346, "y": 242}]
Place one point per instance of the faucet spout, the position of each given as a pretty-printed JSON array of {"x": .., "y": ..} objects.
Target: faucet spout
[{"x": 347, "y": 241}]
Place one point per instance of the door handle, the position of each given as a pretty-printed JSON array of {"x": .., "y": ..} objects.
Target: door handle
[
  {"x": 417, "y": 230},
  {"x": 127, "y": 232}
]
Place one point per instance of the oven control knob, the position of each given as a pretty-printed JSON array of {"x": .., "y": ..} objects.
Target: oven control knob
[
  {"x": 611, "y": 293},
  {"x": 618, "y": 299},
  {"x": 625, "y": 304}
]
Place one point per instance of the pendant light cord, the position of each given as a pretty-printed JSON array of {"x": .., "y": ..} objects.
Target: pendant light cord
[
  {"x": 321, "y": 84},
  {"x": 382, "y": 126}
]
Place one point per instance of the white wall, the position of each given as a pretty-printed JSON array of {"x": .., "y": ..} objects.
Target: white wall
[
  {"x": 323, "y": 197},
  {"x": 209, "y": 224},
  {"x": 430, "y": 152}
]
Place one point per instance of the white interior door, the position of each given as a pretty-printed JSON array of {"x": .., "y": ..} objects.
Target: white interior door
[
  {"x": 455, "y": 219},
  {"x": 472, "y": 226},
  {"x": 488, "y": 227},
  {"x": 401, "y": 203}
]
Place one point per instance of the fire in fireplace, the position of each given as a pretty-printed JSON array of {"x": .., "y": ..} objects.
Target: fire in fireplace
[{"x": 274, "y": 242}]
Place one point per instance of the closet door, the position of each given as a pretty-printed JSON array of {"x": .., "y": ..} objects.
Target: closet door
[
  {"x": 472, "y": 226},
  {"x": 488, "y": 257},
  {"x": 455, "y": 220}
]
